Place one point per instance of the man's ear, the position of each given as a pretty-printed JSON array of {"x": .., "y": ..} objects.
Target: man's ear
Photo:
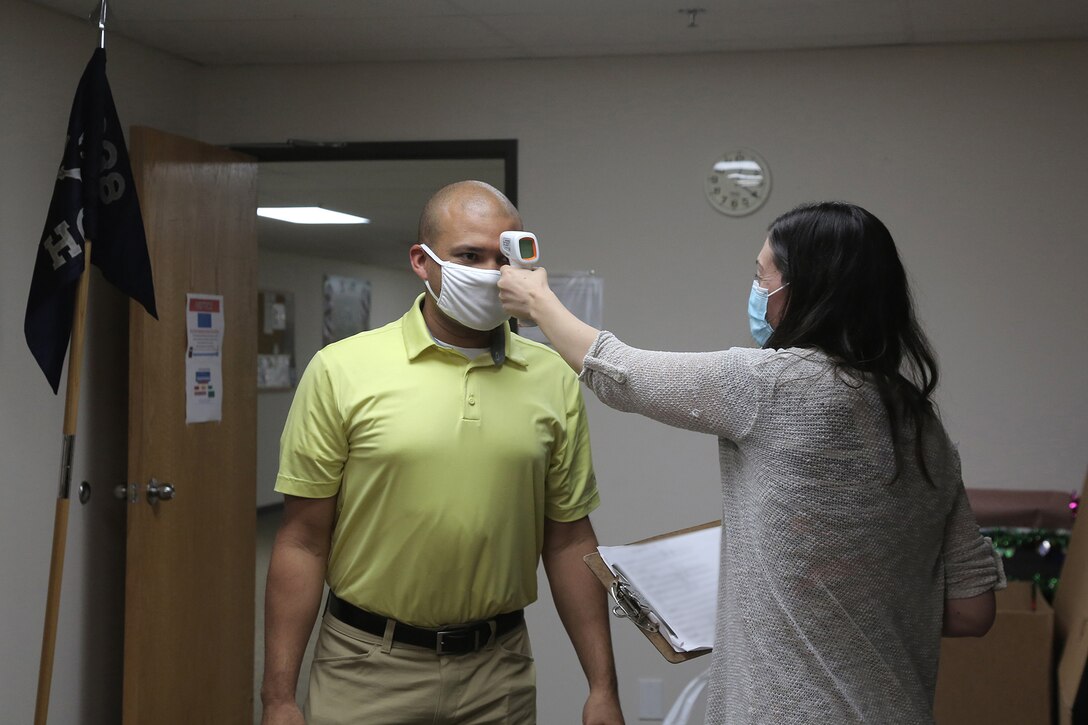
[{"x": 418, "y": 259}]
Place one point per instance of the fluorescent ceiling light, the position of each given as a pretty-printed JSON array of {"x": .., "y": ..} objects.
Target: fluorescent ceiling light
[{"x": 309, "y": 215}]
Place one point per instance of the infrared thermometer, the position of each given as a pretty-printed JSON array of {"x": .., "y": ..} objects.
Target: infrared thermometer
[
  {"x": 521, "y": 248},
  {"x": 523, "y": 251}
]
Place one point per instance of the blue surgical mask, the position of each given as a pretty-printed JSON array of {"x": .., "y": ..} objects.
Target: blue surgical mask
[{"x": 757, "y": 312}]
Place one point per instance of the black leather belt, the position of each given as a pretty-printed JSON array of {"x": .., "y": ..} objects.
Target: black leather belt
[{"x": 451, "y": 641}]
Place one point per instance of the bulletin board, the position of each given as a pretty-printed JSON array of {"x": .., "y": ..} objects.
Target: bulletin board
[
  {"x": 346, "y": 309},
  {"x": 275, "y": 340}
]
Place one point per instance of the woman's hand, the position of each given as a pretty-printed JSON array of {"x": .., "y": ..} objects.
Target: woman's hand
[
  {"x": 526, "y": 295},
  {"x": 522, "y": 290}
]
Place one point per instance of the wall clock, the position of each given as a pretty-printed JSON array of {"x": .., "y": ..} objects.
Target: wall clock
[{"x": 738, "y": 182}]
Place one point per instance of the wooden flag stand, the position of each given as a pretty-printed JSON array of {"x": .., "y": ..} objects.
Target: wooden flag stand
[{"x": 60, "y": 518}]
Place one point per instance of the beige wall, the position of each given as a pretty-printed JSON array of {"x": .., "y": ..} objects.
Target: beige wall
[{"x": 973, "y": 156}]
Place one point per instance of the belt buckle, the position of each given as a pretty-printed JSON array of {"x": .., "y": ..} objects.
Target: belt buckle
[{"x": 440, "y": 640}]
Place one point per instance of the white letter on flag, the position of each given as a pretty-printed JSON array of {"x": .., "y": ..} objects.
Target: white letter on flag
[{"x": 56, "y": 246}]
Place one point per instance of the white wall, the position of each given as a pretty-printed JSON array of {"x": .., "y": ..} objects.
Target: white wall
[
  {"x": 41, "y": 59},
  {"x": 391, "y": 294},
  {"x": 973, "y": 155}
]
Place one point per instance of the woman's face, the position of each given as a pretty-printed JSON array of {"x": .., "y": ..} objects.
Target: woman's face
[{"x": 770, "y": 279}]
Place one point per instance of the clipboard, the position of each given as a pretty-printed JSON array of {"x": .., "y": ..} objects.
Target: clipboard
[{"x": 629, "y": 605}]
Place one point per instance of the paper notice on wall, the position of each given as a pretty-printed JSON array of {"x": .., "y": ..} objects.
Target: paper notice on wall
[{"x": 204, "y": 358}]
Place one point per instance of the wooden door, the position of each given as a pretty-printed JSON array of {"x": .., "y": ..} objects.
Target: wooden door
[{"x": 189, "y": 575}]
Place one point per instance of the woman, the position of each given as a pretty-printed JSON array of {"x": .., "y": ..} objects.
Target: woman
[{"x": 848, "y": 543}]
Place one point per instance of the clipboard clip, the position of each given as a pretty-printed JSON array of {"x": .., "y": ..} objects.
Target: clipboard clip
[{"x": 629, "y": 606}]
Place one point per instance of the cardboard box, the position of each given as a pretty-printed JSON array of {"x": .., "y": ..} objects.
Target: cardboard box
[
  {"x": 1006, "y": 676},
  {"x": 1009, "y": 676}
]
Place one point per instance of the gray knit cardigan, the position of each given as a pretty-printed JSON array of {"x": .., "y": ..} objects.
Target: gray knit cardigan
[{"x": 834, "y": 571}]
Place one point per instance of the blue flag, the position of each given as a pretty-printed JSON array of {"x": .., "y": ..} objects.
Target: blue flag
[{"x": 94, "y": 198}]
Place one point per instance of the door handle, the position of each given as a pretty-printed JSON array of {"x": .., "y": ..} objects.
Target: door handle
[{"x": 157, "y": 491}]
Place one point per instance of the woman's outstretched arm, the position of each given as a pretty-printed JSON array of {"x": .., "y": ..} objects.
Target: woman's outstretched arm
[{"x": 526, "y": 295}]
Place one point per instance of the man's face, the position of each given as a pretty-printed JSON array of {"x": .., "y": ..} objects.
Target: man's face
[{"x": 466, "y": 237}]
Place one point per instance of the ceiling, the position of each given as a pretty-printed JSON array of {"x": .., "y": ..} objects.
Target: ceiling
[{"x": 215, "y": 32}]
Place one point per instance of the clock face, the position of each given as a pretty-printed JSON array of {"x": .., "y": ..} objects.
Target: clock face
[{"x": 738, "y": 183}]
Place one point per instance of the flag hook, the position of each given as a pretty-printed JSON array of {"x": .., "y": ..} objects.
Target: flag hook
[{"x": 100, "y": 11}]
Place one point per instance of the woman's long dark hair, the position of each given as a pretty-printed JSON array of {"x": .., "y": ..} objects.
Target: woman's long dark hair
[{"x": 848, "y": 296}]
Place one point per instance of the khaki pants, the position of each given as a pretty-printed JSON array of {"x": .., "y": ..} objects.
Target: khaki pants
[{"x": 358, "y": 678}]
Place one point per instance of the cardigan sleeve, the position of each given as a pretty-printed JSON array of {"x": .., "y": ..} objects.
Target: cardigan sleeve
[
  {"x": 972, "y": 565},
  {"x": 707, "y": 392}
]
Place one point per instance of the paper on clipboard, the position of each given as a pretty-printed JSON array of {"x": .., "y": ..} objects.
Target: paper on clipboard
[{"x": 677, "y": 578}]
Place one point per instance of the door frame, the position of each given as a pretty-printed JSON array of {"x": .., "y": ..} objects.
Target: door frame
[{"x": 295, "y": 150}]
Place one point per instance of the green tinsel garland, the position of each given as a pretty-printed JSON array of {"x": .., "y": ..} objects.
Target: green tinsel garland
[{"x": 1038, "y": 543}]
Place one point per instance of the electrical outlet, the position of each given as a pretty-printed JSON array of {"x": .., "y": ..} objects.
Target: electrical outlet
[{"x": 651, "y": 698}]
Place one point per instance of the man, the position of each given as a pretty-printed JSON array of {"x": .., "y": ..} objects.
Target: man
[{"x": 427, "y": 467}]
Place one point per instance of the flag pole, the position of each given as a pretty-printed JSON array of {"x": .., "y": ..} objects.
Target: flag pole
[
  {"x": 60, "y": 513},
  {"x": 60, "y": 517}
]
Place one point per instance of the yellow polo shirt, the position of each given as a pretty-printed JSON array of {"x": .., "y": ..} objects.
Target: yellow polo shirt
[{"x": 445, "y": 469}]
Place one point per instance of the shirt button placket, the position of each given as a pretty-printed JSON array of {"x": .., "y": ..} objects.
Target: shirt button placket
[{"x": 470, "y": 409}]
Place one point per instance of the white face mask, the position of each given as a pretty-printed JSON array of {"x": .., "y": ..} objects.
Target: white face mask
[{"x": 469, "y": 295}]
